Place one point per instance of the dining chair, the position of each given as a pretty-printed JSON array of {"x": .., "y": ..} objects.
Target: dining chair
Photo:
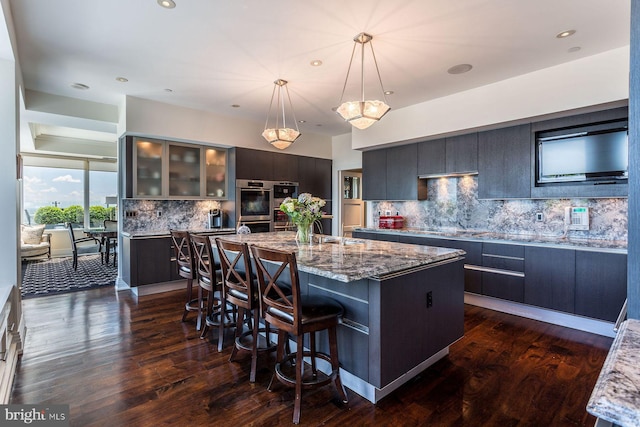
[
  {"x": 109, "y": 244},
  {"x": 74, "y": 243},
  {"x": 240, "y": 288},
  {"x": 297, "y": 314}
]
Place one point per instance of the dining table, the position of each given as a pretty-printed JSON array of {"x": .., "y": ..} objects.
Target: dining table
[{"x": 107, "y": 238}]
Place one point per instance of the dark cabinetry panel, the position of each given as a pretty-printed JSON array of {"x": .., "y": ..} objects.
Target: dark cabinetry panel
[
  {"x": 402, "y": 172},
  {"x": 601, "y": 284},
  {"x": 462, "y": 153},
  {"x": 506, "y": 281},
  {"x": 431, "y": 157},
  {"x": 285, "y": 167},
  {"x": 550, "y": 278},
  {"x": 314, "y": 176},
  {"x": 374, "y": 175},
  {"x": 150, "y": 261},
  {"x": 504, "y": 286},
  {"x": 504, "y": 163},
  {"x": 254, "y": 164}
]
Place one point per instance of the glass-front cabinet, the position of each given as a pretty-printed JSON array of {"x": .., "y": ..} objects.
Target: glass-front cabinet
[
  {"x": 184, "y": 170},
  {"x": 170, "y": 170},
  {"x": 216, "y": 172},
  {"x": 148, "y": 167}
]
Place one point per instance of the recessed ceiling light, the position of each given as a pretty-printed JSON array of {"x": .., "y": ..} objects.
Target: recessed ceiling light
[
  {"x": 235, "y": 105},
  {"x": 388, "y": 92},
  {"x": 316, "y": 63},
  {"x": 319, "y": 124},
  {"x": 566, "y": 33},
  {"x": 122, "y": 79},
  {"x": 79, "y": 86},
  {"x": 574, "y": 49},
  {"x": 168, "y": 90},
  {"x": 460, "y": 69},
  {"x": 302, "y": 121},
  {"x": 167, "y": 4}
]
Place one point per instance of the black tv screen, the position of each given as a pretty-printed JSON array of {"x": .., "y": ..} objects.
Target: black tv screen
[{"x": 601, "y": 155}]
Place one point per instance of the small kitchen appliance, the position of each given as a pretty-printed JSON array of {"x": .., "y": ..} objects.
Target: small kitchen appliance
[
  {"x": 214, "y": 218},
  {"x": 391, "y": 221}
]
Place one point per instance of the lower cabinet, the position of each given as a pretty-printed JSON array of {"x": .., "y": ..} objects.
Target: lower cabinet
[
  {"x": 550, "y": 278},
  {"x": 149, "y": 260},
  {"x": 583, "y": 282},
  {"x": 601, "y": 284}
]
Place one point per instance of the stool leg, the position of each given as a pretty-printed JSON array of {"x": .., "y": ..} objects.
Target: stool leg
[
  {"x": 208, "y": 312},
  {"x": 200, "y": 304},
  {"x": 280, "y": 353},
  {"x": 239, "y": 323},
  {"x": 299, "y": 371},
  {"x": 223, "y": 316},
  {"x": 312, "y": 345},
  {"x": 335, "y": 363},
  {"x": 189, "y": 293},
  {"x": 254, "y": 349}
]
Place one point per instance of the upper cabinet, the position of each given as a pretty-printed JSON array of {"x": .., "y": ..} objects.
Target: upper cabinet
[
  {"x": 170, "y": 170},
  {"x": 392, "y": 174},
  {"x": 504, "y": 163},
  {"x": 452, "y": 155}
]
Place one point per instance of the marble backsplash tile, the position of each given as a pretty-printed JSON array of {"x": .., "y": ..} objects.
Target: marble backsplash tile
[
  {"x": 453, "y": 204},
  {"x": 176, "y": 214}
]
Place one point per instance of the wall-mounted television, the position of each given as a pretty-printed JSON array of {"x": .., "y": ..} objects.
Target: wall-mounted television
[{"x": 595, "y": 154}]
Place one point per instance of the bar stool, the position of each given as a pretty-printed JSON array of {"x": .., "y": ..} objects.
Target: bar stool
[
  {"x": 241, "y": 290},
  {"x": 186, "y": 269},
  {"x": 209, "y": 279},
  {"x": 297, "y": 315}
]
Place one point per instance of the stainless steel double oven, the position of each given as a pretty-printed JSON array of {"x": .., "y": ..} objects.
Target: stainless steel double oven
[{"x": 258, "y": 203}]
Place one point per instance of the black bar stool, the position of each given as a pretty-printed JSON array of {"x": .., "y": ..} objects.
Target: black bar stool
[
  {"x": 240, "y": 288},
  {"x": 297, "y": 315}
]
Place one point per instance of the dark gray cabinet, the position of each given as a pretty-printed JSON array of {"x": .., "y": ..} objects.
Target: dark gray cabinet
[
  {"x": 462, "y": 153},
  {"x": 432, "y": 157},
  {"x": 254, "y": 164},
  {"x": 148, "y": 261},
  {"x": 451, "y": 155},
  {"x": 503, "y": 271},
  {"x": 504, "y": 163},
  {"x": 392, "y": 174},
  {"x": 550, "y": 278},
  {"x": 314, "y": 176},
  {"x": 601, "y": 284},
  {"x": 285, "y": 167},
  {"x": 374, "y": 175}
]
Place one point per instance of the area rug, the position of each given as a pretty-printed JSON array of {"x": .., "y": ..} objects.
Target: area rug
[{"x": 56, "y": 275}]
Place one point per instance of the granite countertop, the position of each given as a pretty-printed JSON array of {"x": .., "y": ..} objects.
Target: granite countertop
[
  {"x": 355, "y": 259},
  {"x": 165, "y": 233},
  {"x": 616, "y": 395},
  {"x": 617, "y": 246}
]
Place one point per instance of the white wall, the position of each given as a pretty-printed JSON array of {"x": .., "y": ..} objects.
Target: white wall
[
  {"x": 589, "y": 81},
  {"x": 155, "y": 119},
  {"x": 344, "y": 158}
]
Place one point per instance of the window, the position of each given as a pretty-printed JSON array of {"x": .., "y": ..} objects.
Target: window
[{"x": 58, "y": 190}]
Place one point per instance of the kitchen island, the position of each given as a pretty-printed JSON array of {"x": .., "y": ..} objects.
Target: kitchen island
[{"x": 404, "y": 304}]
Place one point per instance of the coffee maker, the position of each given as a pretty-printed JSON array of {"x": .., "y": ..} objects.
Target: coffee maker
[{"x": 214, "y": 218}]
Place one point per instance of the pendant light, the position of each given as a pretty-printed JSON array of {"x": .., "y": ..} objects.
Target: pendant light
[
  {"x": 280, "y": 137},
  {"x": 362, "y": 114}
]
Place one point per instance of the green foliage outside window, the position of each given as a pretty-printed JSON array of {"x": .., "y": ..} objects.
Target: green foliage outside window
[
  {"x": 49, "y": 215},
  {"x": 74, "y": 214}
]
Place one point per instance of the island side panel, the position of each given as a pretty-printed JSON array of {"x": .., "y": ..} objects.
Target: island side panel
[
  {"x": 353, "y": 333},
  {"x": 406, "y": 326}
]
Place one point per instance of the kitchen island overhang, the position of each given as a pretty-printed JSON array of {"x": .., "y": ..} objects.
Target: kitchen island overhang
[{"x": 404, "y": 304}]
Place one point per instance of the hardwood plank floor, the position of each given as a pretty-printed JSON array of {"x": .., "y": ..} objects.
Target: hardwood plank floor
[{"x": 121, "y": 362}]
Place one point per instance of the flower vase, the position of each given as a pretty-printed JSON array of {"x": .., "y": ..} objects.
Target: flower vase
[{"x": 304, "y": 233}]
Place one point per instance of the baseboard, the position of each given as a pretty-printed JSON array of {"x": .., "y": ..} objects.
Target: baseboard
[
  {"x": 157, "y": 288},
  {"x": 594, "y": 326}
]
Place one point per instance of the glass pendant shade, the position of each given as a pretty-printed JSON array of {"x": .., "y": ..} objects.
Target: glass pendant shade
[
  {"x": 362, "y": 114},
  {"x": 280, "y": 136}
]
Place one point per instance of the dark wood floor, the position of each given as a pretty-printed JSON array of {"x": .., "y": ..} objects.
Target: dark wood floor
[{"x": 119, "y": 362}]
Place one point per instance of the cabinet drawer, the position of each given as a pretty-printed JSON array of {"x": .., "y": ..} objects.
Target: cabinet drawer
[
  {"x": 502, "y": 262},
  {"x": 504, "y": 286},
  {"x": 504, "y": 250}
]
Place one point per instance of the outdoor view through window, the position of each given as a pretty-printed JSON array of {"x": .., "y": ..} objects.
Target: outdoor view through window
[{"x": 54, "y": 196}]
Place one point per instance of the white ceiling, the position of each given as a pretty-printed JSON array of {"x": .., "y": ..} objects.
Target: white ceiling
[{"x": 213, "y": 54}]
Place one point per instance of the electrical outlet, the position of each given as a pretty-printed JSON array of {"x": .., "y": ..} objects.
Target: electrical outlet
[
  {"x": 539, "y": 217},
  {"x": 129, "y": 214},
  {"x": 429, "y": 299},
  {"x": 158, "y": 214}
]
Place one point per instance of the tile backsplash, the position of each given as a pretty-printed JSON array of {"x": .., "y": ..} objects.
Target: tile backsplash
[
  {"x": 453, "y": 204},
  {"x": 174, "y": 214}
]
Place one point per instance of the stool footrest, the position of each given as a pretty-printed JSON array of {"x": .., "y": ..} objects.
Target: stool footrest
[
  {"x": 245, "y": 341},
  {"x": 286, "y": 371}
]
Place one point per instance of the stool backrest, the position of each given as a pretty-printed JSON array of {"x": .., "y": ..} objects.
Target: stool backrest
[
  {"x": 279, "y": 286},
  {"x": 238, "y": 280},
  {"x": 184, "y": 260},
  {"x": 203, "y": 258}
]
